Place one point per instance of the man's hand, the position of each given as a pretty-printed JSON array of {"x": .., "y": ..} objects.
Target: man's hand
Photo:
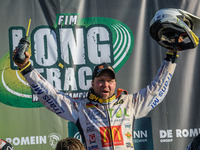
[
  {"x": 27, "y": 57},
  {"x": 172, "y": 54},
  {"x": 180, "y": 39},
  {"x": 171, "y": 51}
]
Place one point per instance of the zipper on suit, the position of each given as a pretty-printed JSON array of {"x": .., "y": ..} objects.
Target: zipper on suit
[{"x": 109, "y": 126}]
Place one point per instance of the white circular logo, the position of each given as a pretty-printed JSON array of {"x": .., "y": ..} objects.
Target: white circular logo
[{"x": 53, "y": 139}]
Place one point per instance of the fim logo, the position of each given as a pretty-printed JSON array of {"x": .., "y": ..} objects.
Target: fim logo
[{"x": 53, "y": 139}]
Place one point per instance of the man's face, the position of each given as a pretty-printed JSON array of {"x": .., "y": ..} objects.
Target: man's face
[{"x": 104, "y": 85}]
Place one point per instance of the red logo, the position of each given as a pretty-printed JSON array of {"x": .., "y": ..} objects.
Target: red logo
[
  {"x": 111, "y": 134},
  {"x": 92, "y": 138}
]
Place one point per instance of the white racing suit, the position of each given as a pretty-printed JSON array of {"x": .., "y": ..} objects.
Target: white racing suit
[
  {"x": 103, "y": 124},
  {"x": 188, "y": 147}
]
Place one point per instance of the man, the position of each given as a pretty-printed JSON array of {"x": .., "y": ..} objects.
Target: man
[{"x": 105, "y": 120}]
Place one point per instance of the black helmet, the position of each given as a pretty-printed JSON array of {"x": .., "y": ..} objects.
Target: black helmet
[{"x": 168, "y": 23}]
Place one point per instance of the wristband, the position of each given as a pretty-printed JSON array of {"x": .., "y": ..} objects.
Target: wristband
[
  {"x": 171, "y": 53},
  {"x": 171, "y": 57},
  {"x": 28, "y": 68}
]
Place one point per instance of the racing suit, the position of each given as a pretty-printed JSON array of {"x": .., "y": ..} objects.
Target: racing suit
[
  {"x": 195, "y": 144},
  {"x": 103, "y": 124}
]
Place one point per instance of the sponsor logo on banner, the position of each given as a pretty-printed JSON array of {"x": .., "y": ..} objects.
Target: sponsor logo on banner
[
  {"x": 111, "y": 135},
  {"x": 142, "y": 134},
  {"x": 51, "y": 139},
  {"x": 65, "y": 54},
  {"x": 169, "y": 135}
]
